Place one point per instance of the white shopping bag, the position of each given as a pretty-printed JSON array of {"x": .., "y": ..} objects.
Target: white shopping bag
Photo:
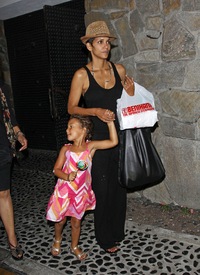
[{"x": 136, "y": 111}]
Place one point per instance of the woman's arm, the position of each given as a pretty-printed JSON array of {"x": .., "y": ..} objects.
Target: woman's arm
[
  {"x": 18, "y": 133},
  {"x": 79, "y": 86},
  {"x": 20, "y": 137},
  {"x": 127, "y": 82},
  {"x": 105, "y": 144}
]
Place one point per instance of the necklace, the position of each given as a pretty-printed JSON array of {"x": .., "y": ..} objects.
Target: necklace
[{"x": 110, "y": 70}]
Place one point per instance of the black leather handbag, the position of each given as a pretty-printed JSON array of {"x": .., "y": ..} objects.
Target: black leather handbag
[{"x": 139, "y": 162}]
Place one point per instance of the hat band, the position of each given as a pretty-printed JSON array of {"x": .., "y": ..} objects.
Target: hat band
[{"x": 98, "y": 34}]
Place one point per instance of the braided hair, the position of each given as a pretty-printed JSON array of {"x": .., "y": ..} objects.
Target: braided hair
[{"x": 85, "y": 122}]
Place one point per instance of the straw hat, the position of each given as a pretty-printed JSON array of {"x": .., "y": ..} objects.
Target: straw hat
[{"x": 97, "y": 29}]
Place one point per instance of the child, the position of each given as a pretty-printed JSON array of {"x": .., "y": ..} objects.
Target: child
[{"x": 73, "y": 194}]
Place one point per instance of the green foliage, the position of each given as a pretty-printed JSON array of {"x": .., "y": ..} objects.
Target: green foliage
[
  {"x": 166, "y": 207},
  {"x": 183, "y": 209},
  {"x": 186, "y": 211}
]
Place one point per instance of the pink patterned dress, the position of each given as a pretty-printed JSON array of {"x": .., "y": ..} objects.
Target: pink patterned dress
[{"x": 75, "y": 197}]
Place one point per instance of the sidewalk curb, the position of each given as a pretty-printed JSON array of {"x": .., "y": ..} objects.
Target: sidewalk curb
[
  {"x": 182, "y": 237},
  {"x": 25, "y": 266}
]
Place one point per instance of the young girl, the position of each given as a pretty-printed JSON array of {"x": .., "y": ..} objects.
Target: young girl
[{"x": 73, "y": 194}]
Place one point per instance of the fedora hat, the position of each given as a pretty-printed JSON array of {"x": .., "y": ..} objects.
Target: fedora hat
[{"x": 97, "y": 29}]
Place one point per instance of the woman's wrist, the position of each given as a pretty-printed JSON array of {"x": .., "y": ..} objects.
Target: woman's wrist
[
  {"x": 96, "y": 111},
  {"x": 19, "y": 133}
]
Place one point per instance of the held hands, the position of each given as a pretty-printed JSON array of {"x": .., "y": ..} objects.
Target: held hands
[
  {"x": 105, "y": 115},
  {"x": 128, "y": 85}
]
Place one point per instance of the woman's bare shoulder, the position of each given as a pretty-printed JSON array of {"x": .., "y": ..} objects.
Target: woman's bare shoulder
[
  {"x": 80, "y": 81},
  {"x": 121, "y": 70},
  {"x": 80, "y": 73}
]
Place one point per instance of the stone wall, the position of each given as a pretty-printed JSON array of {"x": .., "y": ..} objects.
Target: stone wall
[{"x": 159, "y": 44}]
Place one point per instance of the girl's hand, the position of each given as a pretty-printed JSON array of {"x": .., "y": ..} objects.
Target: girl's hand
[
  {"x": 128, "y": 85},
  {"x": 72, "y": 175},
  {"x": 105, "y": 115}
]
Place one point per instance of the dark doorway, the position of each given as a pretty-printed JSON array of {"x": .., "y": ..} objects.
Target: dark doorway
[{"x": 44, "y": 50}]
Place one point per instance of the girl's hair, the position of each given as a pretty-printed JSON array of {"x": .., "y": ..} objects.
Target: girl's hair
[{"x": 85, "y": 122}]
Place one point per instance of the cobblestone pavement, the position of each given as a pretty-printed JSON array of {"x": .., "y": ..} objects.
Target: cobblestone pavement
[{"x": 145, "y": 250}]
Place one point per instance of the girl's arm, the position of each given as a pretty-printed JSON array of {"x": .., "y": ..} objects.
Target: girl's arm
[
  {"x": 105, "y": 144},
  {"x": 79, "y": 86},
  {"x": 57, "y": 170}
]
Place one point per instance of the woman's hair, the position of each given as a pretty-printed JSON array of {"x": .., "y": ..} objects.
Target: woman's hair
[
  {"x": 90, "y": 40},
  {"x": 85, "y": 122}
]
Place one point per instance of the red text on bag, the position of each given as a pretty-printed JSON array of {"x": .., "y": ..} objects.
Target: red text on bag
[{"x": 131, "y": 110}]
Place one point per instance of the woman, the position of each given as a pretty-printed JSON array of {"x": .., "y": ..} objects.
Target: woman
[
  {"x": 100, "y": 83},
  {"x": 9, "y": 133}
]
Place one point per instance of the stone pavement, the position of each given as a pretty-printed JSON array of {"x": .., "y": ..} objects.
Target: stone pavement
[{"x": 145, "y": 250}]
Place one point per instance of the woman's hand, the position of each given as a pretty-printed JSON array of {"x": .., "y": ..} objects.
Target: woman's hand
[
  {"x": 105, "y": 115},
  {"x": 128, "y": 85},
  {"x": 22, "y": 140}
]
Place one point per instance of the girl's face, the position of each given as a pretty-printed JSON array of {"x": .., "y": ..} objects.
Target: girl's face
[
  {"x": 100, "y": 47},
  {"x": 75, "y": 130}
]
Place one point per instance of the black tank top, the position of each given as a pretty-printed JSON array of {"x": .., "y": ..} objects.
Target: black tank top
[{"x": 99, "y": 97}]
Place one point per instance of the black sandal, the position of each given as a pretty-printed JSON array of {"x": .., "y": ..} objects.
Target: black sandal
[
  {"x": 16, "y": 252},
  {"x": 112, "y": 250}
]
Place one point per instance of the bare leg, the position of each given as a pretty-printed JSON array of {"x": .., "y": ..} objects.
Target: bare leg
[
  {"x": 59, "y": 229},
  {"x": 7, "y": 216},
  {"x": 76, "y": 229},
  {"x": 55, "y": 250}
]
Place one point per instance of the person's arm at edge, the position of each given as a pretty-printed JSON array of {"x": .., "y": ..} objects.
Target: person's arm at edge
[
  {"x": 20, "y": 137},
  {"x": 18, "y": 133}
]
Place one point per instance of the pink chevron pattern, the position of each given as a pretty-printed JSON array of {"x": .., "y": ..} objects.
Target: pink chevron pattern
[{"x": 72, "y": 198}]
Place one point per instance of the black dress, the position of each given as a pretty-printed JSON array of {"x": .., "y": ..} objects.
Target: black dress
[{"x": 110, "y": 212}]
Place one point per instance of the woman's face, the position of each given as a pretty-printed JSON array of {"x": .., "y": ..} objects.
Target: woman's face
[{"x": 100, "y": 47}]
